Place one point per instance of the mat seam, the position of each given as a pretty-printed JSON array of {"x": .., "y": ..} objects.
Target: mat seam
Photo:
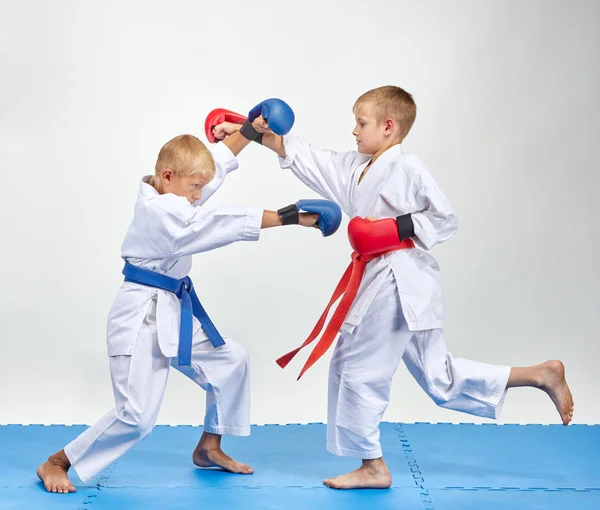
[{"x": 414, "y": 468}]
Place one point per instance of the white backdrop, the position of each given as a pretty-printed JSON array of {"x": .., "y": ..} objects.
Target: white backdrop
[{"x": 508, "y": 111}]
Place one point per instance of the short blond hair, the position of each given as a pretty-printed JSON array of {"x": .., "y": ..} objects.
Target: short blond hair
[
  {"x": 390, "y": 102},
  {"x": 186, "y": 155}
]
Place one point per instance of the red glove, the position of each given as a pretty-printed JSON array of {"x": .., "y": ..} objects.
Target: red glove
[
  {"x": 217, "y": 117},
  {"x": 375, "y": 237}
]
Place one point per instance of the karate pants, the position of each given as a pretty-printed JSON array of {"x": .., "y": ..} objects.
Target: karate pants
[
  {"x": 363, "y": 365},
  {"x": 139, "y": 383}
]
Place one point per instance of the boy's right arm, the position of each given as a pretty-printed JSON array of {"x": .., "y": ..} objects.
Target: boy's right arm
[
  {"x": 210, "y": 229},
  {"x": 326, "y": 172},
  {"x": 191, "y": 230},
  {"x": 236, "y": 142},
  {"x": 275, "y": 143},
  {"x": 225, "y": 162}
]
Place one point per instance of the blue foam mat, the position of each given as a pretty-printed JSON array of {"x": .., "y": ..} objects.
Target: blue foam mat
[
  {"x": 36, "y": 498},
  {"x": 509, "y": 456},
  {"x": 514, "y": 500},
  {"x": 268, "y": 498},
  {"x": 456, "y": 466},
  {"x": 25, "y": 447},
  {"x": 282, "y": 456}
]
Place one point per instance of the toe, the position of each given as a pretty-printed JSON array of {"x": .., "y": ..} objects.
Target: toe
[{"x": 333, "y": 483}]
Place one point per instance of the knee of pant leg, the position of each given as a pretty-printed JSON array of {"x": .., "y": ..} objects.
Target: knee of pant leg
[
  {"x": 238, "y": 353},
  {"x": 439, "y": 400},
  {"x": 438, "y": 389},
  {"x": 141, "y": 424},
  {"x": 431, "y": 372},
  {"x": 428, "y": 383},
  {"x": 366, "y": 387}
]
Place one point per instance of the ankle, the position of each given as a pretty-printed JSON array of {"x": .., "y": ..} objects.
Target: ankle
[
  {"x": 60, "y": 459},
  {"x": 209, "y": 442},
  {"x": 375, "y": 465},
  {"x": 526, "y": 376},
  {"x": 207, "y": 448}
]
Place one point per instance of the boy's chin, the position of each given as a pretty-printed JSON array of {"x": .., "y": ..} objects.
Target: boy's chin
[{"x": 364, "y": 150}]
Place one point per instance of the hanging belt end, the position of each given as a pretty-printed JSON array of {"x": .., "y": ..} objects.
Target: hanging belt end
[{"x": 282, "y": 362}]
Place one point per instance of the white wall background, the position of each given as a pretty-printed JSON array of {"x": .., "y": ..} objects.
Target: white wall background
[{"x": 508, "y": 122}]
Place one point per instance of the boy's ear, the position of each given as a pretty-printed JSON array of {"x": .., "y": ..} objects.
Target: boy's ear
[
  {"x": 167, "y": 174},
  {"x": 389, "y": 125}
]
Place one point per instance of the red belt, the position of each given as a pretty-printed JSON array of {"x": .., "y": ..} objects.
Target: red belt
[{"x": 347, "y": 288}]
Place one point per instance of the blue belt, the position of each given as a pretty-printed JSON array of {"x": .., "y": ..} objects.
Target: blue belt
[{"x": 190, "y": 305}]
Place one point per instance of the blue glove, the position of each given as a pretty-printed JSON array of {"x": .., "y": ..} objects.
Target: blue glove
[
  {"x": 330, "y": 214},
  {"x": 277, "y": 113}
]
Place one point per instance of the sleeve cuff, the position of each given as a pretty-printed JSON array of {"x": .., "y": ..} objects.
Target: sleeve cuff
[
  {"x": 224, "y": 157},
  {"x": 290, "y": 144},
  {"x": 422, "y": 235},
  {"x": 253, "y": 223}
]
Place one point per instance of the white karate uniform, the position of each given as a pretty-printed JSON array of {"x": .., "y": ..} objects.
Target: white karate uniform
[
  {"x": 143, "y": 324},
  {"x": 398, "y": 311}
]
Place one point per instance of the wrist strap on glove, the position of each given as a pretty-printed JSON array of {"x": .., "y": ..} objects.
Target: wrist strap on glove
[
  {"x": 249, "y": 133},
  {"x": 406, "y": 227},
  {"x": 289, "y": 215}
]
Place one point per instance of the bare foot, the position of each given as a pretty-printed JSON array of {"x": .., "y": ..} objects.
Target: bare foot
[
  {"x": 218, "y": 458},
  {"x": 53, "y": 473},
  {"x": 373, "y": 474},
  {"x": 208, "y": 454},
  {"x": 553, "y": 382}
]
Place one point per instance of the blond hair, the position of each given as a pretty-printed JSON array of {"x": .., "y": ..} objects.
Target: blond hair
[
  {"x": 390, "y": 102},
  {"x": 186, "y": 156}
]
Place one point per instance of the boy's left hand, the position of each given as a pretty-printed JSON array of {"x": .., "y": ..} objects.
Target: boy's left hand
[
  {"x": 308, "y": 220},
  {"x": 323, "y": 214},
  {"x": 220, "y": 123},
  {"x": 261, "y": 125},
  {"x": 223, "y": 130}
]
